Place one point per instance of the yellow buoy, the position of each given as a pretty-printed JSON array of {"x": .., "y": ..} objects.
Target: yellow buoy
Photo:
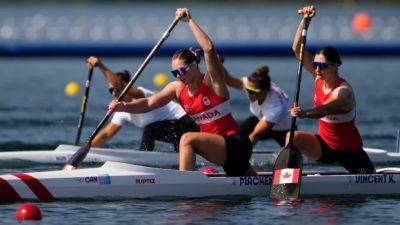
[
  {"x": 72, "y": 89},
  {"x": 160, "y": 79}
]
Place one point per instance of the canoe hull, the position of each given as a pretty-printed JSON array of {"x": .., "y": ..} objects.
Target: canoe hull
[
  {"x": 120, "y": 181},
  {"x": 160, "y": 159}
]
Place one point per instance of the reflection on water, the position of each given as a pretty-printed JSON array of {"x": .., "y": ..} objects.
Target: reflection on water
[
  {"x": 331, "y": 210},
  {"x": 206, "y": 210},
  {"x": 334, "y": 210}
]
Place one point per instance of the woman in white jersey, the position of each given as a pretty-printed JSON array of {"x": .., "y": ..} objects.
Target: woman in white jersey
[
  {"x": 268, "y": 104},
  {"x": 166, "y": 124}
]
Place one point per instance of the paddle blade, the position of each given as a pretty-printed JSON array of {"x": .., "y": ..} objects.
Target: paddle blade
[
  {"x": 286, "y": 179},
  {"x": 79, "y": 156}
]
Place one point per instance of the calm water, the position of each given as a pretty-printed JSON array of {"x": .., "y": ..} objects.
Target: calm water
[{"x": 36, "y": 114}]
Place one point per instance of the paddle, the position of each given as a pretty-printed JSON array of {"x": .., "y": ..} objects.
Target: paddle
[
  {"x": 83, "y": 106},
  {"x": 289, "y": 163},
  {"x": 82, "y": 152}
]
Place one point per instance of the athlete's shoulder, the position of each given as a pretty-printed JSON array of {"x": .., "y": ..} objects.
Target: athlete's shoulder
[
  {"x": 344, "y": 91},
  {"x": 176, "y": 87},
  {"x": 344, "y": 87}
]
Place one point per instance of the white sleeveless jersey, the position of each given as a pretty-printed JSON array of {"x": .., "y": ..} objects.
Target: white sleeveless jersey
[
  {"x": 275, "y": 107},
  {"x": 171, "y": 111}
]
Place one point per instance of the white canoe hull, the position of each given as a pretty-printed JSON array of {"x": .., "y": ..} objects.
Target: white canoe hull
[
  {"x": 101, "y": 155},
  {"x": 160, "y": 159},
  {"x": 120, "y": 180}
]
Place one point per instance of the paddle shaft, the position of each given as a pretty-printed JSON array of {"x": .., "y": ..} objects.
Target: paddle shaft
[
  {"x": 289, "y": 163},
  {"x": 82, "y": 152},
  {"x": 83, "y": 106},
  {"x": 298, "y": 82}
]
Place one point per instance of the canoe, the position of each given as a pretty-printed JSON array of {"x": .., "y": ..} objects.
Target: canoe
[
  {"x": 115, "y": 180},
  {"x": 101, "y": 155}
]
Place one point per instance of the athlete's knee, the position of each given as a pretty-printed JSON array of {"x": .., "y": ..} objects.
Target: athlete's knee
[{"x": 187, "y": 139}]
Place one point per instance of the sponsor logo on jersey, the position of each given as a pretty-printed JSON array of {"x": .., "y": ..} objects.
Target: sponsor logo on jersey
[{"x": 206, "y": 101}]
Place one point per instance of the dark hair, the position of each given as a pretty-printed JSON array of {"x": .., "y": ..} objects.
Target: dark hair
[
  {"x": 331, "y": 54},
  {"x": 261, "y": 78},
  {"x": 221, "y": 58},
  {"x": 124, "y": 76},
  {"x": 187, "y": 55}
]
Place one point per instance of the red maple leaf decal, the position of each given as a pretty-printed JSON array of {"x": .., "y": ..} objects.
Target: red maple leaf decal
[{"x": 286, "y": 175}]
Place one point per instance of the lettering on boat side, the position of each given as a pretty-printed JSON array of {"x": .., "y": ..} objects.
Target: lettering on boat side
[
  {"x": 145, "y": 181},
  {"x": 253, "y": 181},
  {"x": 373, "y": 179},
  {"x": 62, "y": 158},
  {"x": 65, "y": 158},
  {"x": 91, "y": 179},
  {"x": 104, "y": 179},
  {"x": 93, "y": 160}
]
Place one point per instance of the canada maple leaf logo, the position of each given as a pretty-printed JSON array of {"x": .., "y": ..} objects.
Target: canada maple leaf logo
[{"x": 286, "y": 175}]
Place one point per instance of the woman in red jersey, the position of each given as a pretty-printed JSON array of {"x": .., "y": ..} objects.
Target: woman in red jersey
[
  {"x": 205, "y": 98},
  {"x": 338, "y": 139}
]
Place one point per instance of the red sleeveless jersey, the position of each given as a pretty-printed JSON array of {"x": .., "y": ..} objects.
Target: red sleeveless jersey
[
  {"x": 338, "y": 131},
  {"x": 211, "y": 112}
]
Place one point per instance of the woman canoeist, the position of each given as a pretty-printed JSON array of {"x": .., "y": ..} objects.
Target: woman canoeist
[
  {"x": 166, "y": 124},
  {"x": 205, "y": 98},
  {"x": 269, "y": 106},
  {"x": 338, "y": 139}
]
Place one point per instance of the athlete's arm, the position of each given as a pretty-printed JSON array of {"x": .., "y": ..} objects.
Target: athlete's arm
[
  {"x": 342, "y": 100},
  {"x": 105, "y": 134},
  {"x": 260, "y": 129},
  {"x": 144, "y": 105},
  {"x": 108, "y": 74},
  {"x": 112, "y": 79},
  {"x": 308, "y": 12},
  {"x": 215, "y": 71},
  {"x": 231, "y": 81}
]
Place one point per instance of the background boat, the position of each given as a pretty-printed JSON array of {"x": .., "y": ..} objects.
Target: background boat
[{"x": 261, "y": 158}]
